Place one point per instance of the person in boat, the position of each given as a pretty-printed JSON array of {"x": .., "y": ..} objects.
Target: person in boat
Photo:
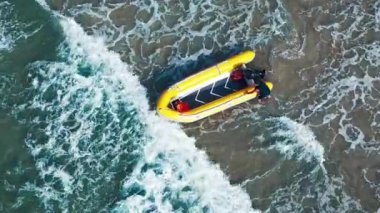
[
  {"x": 254, "y": 78},
  {"x": 181, "y": 106}
]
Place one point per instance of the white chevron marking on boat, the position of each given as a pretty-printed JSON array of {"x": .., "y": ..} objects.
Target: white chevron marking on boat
[
  {"x": 196, "y": 98},
  {"x": 212, "y": 93},
  {"x": 225, "y": 85}
]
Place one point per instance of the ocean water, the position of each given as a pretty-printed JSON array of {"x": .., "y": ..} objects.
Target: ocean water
[{"x": 78, "y": 85}]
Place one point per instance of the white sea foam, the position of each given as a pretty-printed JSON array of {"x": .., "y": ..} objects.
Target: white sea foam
[
  {"x": 11, "y": 29},
  {"x": 174, "y": 33},
  {"x": 344, "y": 94},
  {"x": 377, "y": 13},
  {"x": 332, "y": 192},
  {"x": 173, "y": 162},
  {"x": 328, "y": 192},
  {"x": 65, "y": 178},
  {"x": 350, "y": 81},
  {"x": 6, "y": 40},
  {"x": 297, "y": 140},
  {"x": 182, "y": 163},
  {"x": 183, "y": 172},
  {"x": 180, "y": 170}
]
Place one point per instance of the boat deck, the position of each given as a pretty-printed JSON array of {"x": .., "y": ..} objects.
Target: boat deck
[{"x": 213, "y": 92}]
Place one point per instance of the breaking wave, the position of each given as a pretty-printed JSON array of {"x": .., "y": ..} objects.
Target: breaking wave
[{"x": 94, "y": 130}]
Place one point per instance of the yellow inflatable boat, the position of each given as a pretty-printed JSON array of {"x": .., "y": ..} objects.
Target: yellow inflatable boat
[{"x": 208, "y": 92}]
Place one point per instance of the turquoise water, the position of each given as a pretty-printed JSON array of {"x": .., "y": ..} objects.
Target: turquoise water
[
  {"x": 78, "y": 82},
  {"x": 87, "y": 137},
  {"x": 23, "y": 41}
]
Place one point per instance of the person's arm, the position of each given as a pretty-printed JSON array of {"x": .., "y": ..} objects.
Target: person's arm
[
  {"x": 264, "y": 90},
  {"x": 248, "y": 73}
]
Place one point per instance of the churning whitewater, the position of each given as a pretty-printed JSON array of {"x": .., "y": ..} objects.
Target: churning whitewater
[
  {"x": 98, "y": 117},
  {"x": 79, "y": 80}
]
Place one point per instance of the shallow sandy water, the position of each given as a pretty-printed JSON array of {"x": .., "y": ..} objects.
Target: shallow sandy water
[
  {"x": 323, "y": 58},
  {"x": 307, "y": 55}
]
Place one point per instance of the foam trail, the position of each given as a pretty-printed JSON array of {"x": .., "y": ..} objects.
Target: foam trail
[
  {"x": 7, "y": 40},
  {"x": 170, "y": 172},
  {"x": 298, "y": 141},
  {"x": 182, "y": 163},
  {"x": 185, "y": 35},
  {"x": 11, "y": 30}
]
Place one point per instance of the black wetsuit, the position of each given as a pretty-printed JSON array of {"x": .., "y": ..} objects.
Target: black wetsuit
[
  {"x": 258, "y": 76},
  {"x": 252, "y": 74},
  {"x": 263, "y": 88}
]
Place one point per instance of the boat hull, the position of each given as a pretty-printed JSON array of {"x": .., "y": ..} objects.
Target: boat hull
[{"x": 202, "y": 79}]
